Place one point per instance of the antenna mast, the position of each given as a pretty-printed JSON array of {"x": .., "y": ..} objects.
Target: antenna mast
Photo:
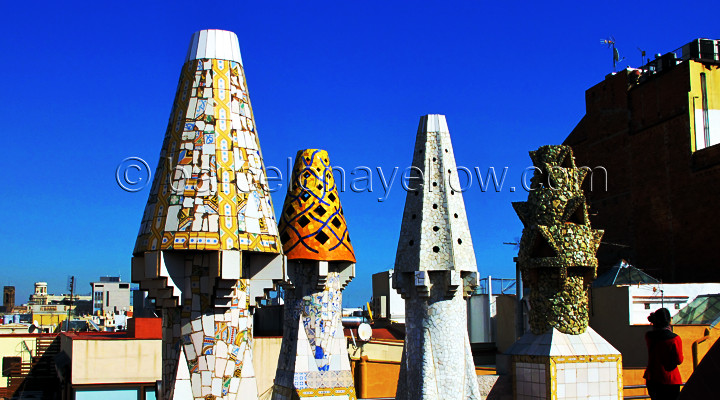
[
  {"x": 610, "y": 42},
  {"x": 71, "y": 286}
]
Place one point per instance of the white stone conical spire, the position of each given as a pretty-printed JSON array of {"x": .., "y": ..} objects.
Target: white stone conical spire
[{"x": 435, "y": 269}]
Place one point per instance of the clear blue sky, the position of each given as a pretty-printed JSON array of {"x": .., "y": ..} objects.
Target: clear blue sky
[{"x": 86, "y": 85}]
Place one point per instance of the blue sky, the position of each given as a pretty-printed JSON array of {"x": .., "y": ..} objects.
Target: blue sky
[{"x": 87, "y": 85}]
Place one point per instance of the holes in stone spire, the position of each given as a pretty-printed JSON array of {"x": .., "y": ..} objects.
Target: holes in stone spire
[
  {"x": 434, "y": 159},
  {"x": 336, "y": 222},
  {"x": 541, "y": 248},
  {"x": 320, "y": 210},
  {"x": 459, "y": 241},
  {"x": 455, "y": 215},
  {"x": 436, "y": 249},
  {"x": 546, "y": 180},
  {"x": 413, "y": 216},
  {"x": 578, "y": 216},
  {"x": 436, "y": 228},
  {"x": 567, "y": 161},
  {"x": 412, "y": 242},
  {"x": 434, "y": 206},
  {"x": 435, "y": 184}
]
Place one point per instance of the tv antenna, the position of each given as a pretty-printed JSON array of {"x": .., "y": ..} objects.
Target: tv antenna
[
  {"x": 642, "y": 56},
  {"x": 610, "y": 42},
  {"x": 71, "y": 288},
  {"x": 515, "y": 243}
]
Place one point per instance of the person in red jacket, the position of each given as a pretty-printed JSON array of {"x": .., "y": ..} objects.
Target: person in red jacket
[{"x": 662, "y": 376}]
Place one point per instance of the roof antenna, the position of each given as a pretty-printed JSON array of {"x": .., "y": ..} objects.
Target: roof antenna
[
  {"x": 642, "y": 56},
  {"x": 610, "y": 42}
]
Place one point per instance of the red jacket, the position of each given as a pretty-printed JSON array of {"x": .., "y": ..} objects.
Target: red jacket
[{"x": 664, "y": 355}]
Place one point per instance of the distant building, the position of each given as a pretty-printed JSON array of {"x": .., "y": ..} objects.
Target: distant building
[
  {"x": 110, "y": 295},
  {"x": 49, "y": 310},
  {"x": 387, "y": 302},
  {"x": 651, "y": 135},
  {"x": 40, "y": 295},
  {"x": 8, "y": 298},
  {"x": 85, "y": 373}
]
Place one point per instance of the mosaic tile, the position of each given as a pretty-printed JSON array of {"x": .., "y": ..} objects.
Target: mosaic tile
[
  {"x": 558, "y": 246},
  {"x": 196, "y": 162},
  {"x": 312, "y": 225},
  {"x": 434, "y": 236},
  {"x": 313, "y": 295}
]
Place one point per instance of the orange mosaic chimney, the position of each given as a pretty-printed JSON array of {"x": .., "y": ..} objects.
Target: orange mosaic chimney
[
  {"x": 313, "y": 361},
  {"x": 312, "y": 226}
]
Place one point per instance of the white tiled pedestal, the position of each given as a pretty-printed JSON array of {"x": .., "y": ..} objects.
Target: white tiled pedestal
[{"x": 558, "y": 366}]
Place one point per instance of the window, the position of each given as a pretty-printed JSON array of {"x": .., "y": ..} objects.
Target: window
[
  {"x": 11, "y": 366},
  {"x": 677, "y": 306},
  {"x": 707, "y": 120},
  {"x": 647, "y": 306}
]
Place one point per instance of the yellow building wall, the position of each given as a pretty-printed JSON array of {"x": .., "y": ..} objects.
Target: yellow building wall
[
  {"x": 712, "y": 77},
  {"x": 377, "y": 350},
  {"x": 376, "y": 367},
  {"x": 115, "y": 361},
  {"x": 46, "y": 320},
  {"x": 12, "y": 346}
]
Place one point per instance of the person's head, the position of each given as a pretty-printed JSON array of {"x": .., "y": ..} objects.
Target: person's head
[{"x": 660, "y": 318}]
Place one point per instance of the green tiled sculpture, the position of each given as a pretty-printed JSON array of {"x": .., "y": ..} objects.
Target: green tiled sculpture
[{"x": 558, "y": 246}]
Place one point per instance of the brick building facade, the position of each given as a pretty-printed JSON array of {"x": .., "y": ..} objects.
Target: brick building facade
[{"x": 654, "y": 130}]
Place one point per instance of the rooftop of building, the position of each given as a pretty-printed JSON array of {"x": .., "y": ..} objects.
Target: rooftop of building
[
  {"x": 624, "y": 274},
  {"x": 704, "y": 310}
]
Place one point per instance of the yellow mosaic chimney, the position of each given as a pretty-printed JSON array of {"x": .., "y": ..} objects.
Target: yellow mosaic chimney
[{"x": 210, "y": 189}]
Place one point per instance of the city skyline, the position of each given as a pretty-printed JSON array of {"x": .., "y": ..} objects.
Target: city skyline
[{"x": 90, "y": 87}]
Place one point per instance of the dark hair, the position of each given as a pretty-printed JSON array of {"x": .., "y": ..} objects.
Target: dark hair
[{"x": 660, "y": 318}]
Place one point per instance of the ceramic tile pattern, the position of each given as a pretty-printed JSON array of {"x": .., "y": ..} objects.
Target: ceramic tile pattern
[
  {"x": 209, "y": 213},
  {"x": 214, "y": 347},
  {"x": 210, "y": 189},
  {"x": 313, "y": 361},
  {"x": 312, "y": 225},
  {"x": 562, "y": 358},
  {"x": 568, "y": 378},
  {"x": 558, "y": 246},
  {"x": 434, "y": 270}
]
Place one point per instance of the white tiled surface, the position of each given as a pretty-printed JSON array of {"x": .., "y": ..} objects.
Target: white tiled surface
[
  {"x": 556, "y": 343},
  {"x": 574, "y": 381},
  {"x": 530, "y": 381},
  {"x": 592, "y": 380},
  {"x": 214, "y": 43}
]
